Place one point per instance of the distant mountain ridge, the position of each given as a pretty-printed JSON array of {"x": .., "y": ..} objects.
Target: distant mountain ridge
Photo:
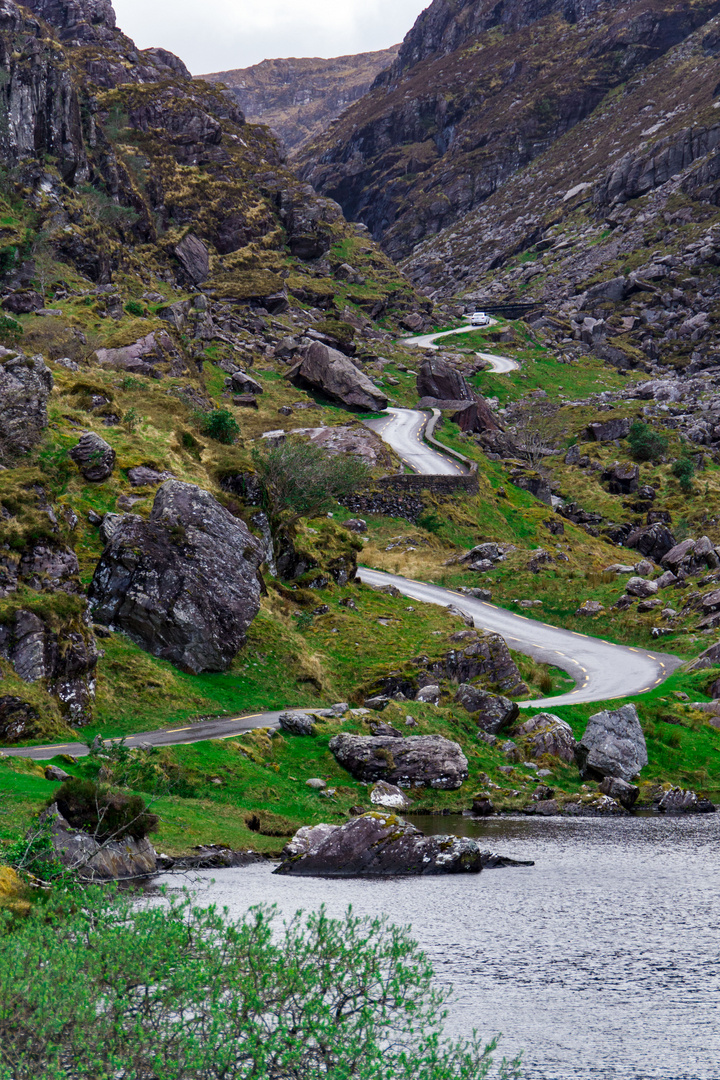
[{"x": 299, "y": 98}]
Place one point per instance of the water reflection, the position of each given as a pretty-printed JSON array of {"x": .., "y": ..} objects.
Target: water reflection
[{"x": 601, "y": 961}]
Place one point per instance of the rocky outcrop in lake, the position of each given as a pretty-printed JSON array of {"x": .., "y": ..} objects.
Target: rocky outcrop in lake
[{"x": 376, "y": 844}]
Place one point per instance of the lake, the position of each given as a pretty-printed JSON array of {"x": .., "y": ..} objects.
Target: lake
[{"x": 601, "y": 961}]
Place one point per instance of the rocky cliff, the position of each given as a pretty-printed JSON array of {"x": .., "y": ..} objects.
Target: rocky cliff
[
  {"x": 153, "y": 248},
  {"x": 480, "y": 91},
  {"x": 299, "y": 98}
]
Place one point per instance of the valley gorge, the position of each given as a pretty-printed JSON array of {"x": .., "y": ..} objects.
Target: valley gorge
[{"x": 360, "y": 533}]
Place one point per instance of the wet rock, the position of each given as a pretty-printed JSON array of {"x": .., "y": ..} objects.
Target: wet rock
[
  {"x": 547, "y": 734},
  {"x": 376, "y": 844},
  {"x": 638, "y": 586},
  {"x": 491, "y": 712},
  {"x": 490, "y": 860},
  {"x": 94, "y": 457},
  {"x": 334, "y": 375},
  {"x": 613, "y": 745},
  {"x": 93, "y": 861},
  {"x": 389, "y": 796},
  {"x": 677, "y": 801},
  {"x": 296, "y": 723},
  {"x": 182, "y": 584},
  {"x": 415, "y": 761},
  {"x": 25, "y": 385},
  {"x": 624, "y": 793},
  {"x": 483, "y": 807}
]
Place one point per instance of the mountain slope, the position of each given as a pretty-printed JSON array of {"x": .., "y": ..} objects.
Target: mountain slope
[
  {"x": 479, "y": 91},
  {"x": 299, "y": 98}
]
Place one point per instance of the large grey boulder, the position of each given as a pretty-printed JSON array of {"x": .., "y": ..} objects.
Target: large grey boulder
[
  {"x": 613, "y": 745},
  {"x": 94, "y": 457},
  {"x": 91, "y": 860},
  {"x": 491, "y": 712},
  {"x": 546, "y": 733},
  {"x": 638, "y": 586},
  {"x": 335, "y": 376},
  {"x": 25, "y": 385},
  {"x": 182, "y": 584},
  {"x": 439, "y": 379},
  {"x": 416, "y": 761},
  {"x": 378, "y": 844}
]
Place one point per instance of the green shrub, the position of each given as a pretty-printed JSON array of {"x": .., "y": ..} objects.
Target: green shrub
[
  {"x": 104, "y": 813},
  {"x": 101, "y": 989},
  {"x": 10, "y": 331},
  {"x": 134, "y": 307},
  {"x": 221, "y": 425},
  {"x": 684, "y": 470},
  {"x": 645, "y": 443}
]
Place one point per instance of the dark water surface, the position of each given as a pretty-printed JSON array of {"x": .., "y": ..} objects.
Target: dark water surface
[{"x": 601, "y": 961}]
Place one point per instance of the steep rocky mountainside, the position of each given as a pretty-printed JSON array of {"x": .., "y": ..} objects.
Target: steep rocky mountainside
[
  {"x": 478, "y": 92},
  {"x": 614, "y": 229},
  {"x": 153, "y": 248},
  {"x": 299, "y": 98}
]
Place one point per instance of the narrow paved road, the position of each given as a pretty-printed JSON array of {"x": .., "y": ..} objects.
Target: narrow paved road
[
  {"x": 500, "y": 365},
  {"x": 601, "y": 670},
  {"x": 404, "y": 430}
]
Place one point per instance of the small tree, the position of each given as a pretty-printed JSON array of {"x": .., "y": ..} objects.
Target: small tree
[
  {"x": 303, "y": 480},
  {"x": 684, "y": 470},
  {"x": 645, "y": 443},
  {"x": 538, "y": 427}
]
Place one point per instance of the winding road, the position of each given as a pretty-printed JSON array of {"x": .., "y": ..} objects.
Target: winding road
[
  {"x": 499, "y": 365},
  {"x": 404, "y": 430},
  {"x": 601, "y": 670}
]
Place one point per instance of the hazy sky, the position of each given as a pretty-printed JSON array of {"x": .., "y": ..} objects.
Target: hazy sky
[{"x": 215, "y": 35}]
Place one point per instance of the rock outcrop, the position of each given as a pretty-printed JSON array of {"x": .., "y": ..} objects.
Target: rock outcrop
[
  {"x": 63, "y": 661},
  {"x": 334, "y": 375},
  {"x": 613, "y": 745},
  {"x": 182, "y": 584},
  {"x": 376, "y": 844},
  {"x": 416, "y": 761},
  {"x": 25, "y": 385},
  {"x": 92, "y": 860}
]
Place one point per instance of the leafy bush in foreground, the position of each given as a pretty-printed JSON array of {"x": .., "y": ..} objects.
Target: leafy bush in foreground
[
  {"x": 172, "y": 992},
  {"x": 645, "y": 443}
]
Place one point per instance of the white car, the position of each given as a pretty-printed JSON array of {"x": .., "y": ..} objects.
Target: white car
[{"x": 479, "y": 318}]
